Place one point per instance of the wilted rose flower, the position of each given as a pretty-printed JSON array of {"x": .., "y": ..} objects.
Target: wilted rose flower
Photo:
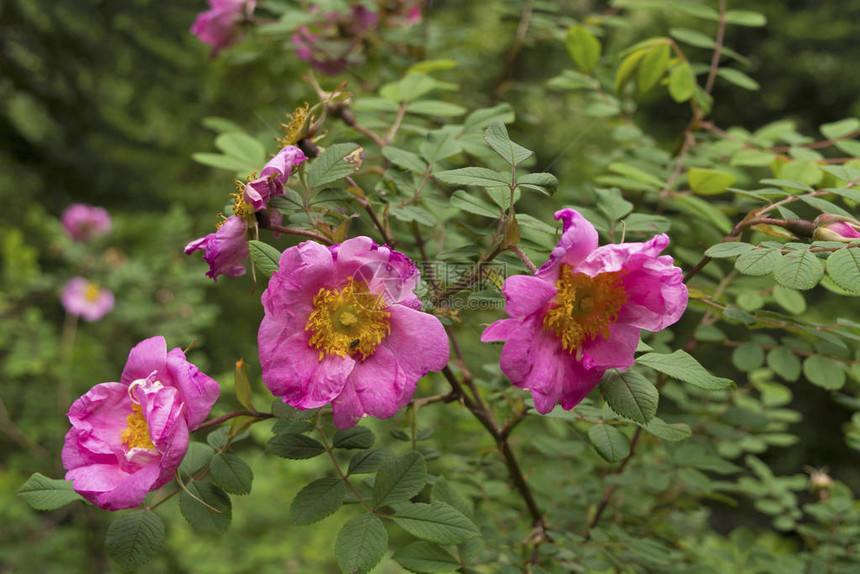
[
  {"x": 80, "y": 297},
  {"x": 220, "y": 25},
  {"x": 581, "y": 313},
  {"x": 226, "y": 250},
  {"x": 342, "y": 326},
  {"x": 831, "y": 227},
  {"x": 85, "y": 222},
  {"x": 128, "y": 438}
]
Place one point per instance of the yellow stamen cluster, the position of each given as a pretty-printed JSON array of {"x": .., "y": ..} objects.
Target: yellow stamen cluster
[
  {"x": 585, "y": 307},
  {"x": 349, "y": 321},
  {"x": 240, "y": 208},
  {"x": 297, "y": 128},
  {"x": 92, "y": 292},
  {"x": 136, "y": 435}
]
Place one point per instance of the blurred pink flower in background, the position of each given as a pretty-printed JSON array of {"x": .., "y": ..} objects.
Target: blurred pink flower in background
[
  {"x": 581, "y": 313},
  {"x": 128, "y": 438},
  {"x": 80, "y": 297},
  {"x": 220, "y": 25},
  {"x": 85, "y": 222}
]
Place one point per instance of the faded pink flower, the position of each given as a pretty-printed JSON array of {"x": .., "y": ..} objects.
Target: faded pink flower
[
  {"x": 273, "y": 177},
  {"x": 831, "y": 227},
  {"x": 220, "y": 25},
  {"x": 581, "y": 313},
  {"x": 128, "y": 438},
  {"x": 80, "y": 297},
  {"x": 225, "y": 250},
  {"x": 342, "y": 325},
  {"x": 85, "y": 222}
]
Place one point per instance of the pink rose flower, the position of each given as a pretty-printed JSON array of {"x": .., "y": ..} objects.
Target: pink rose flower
[
  {"x": 830, "y": 227},
  {"x": 225, "y": 250},
  {"x": 581, "y": 313},
  {"x": 128, "y": 438},
  {"x": 342, "y": 325},
  {"x": 80, "y": 297},
  {"x": 85, "y": 222},
  {"x": 273, "y": 177},
  {"x": 220, "y": 25}
]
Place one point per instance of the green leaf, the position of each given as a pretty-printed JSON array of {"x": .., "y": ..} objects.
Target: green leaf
[
  {"x": 682, "y": 80},
  {"x": 704, "y": 210},
  {"x": 436, "y": 108},
  {"x": 368, "y": 461},
  {"x": 626, "y": 69},
  {"x": 609, "y": 442},
  {"x": 317, "y": 500},
  {"x": 243, "y": 148},
  {"x": 411, "y": 87},
  {"x": 758, "y": 262},
  {"x": 798, "y": 270},
  {"x": 439, "y": 145},
  {"x": 824, "y": 372},
  {"x": 542, "y": 182},
  {"x": 709, "y": 181},
  {"x": 840, "y": 129},
  {"x": 265, "y": 257},
  {"x": 583, "y": 47},
  {"x": 231, "y": 473},
  {"x": 693, "y": 38},
  {"x": 479, "y": 176},
  {"x": 443, "y": 491},
  {"x": 405, "y": 159},
  {"x": 202, "y": 517},
  {"x": 630, "y": 395},
  {"x": 752, "y": 158},
  {"x": 222, "y": 161},
  {"x": 361, "y": 544},
  {"x": 784, "y": 363},
  {"x": 333, "y": 164},
  {"x": 480, "y": 119},
  {"x": 789, "y": 299},
  {"x": 294, "y": 446},
  {"x": 133, "y": 538},
  {"x": 197, "y": 457},
  {"x": 283, "y": 410},
  {"x": 738, "y": 78},
  {"x": 728, "y": 249},
  {"x": 399, "y": 478},
  {"x": 426, "y": 557},
  {"x": 462, "y": 200},
  {"x": 683, "y": 367},
  {"x": 843, "y": 266},
  {"x": 671, "y": 432},
  {"x": 355, "y": 437},
  {"x": 653, "y": 67},
  {"x": 745, "y": 18},
  {"x": 496, "y": 136},
  {"x": 435, "y": 522},
  {"x": 748, "y": 356},
  {"x": 217, "y": 124},
  {"x": 243, "y": 385},
  {"x": 43, "y": 493},
  {"x": 636, "y": 173}
]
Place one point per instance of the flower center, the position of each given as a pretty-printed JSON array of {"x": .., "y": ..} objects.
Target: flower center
[
  {"x": 585, "y": 307},
  {"x": 137, "y": 433},
  {"x": 350, "y": 321},
  {"x": 92, "y": 292}
]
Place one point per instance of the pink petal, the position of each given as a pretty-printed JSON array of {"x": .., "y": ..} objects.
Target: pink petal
[
  {"x": 147, "y": 356},
  {"x": 500, "y": 330},
  {"x": 578, "y": 239},
  {"x": 417, "y": 339},
  {"x": 616, "y": 351},
  {"x": 199, "y": 391},
  {"x": 525, "y": 294},
  {"x": 374, "y": 387}
]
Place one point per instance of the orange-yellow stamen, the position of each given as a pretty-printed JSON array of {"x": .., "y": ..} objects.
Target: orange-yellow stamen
[
  {"x": 92, "y": 292},
  {"x": 349, "y": 321},
  {"x": 585, "y": 306},
  {"x": 137, "y": 433}
]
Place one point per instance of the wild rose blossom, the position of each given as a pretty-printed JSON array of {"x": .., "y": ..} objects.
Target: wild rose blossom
[
  {"x": 128, "y": 438},
  {"x": 581, "y": 313},
  {"x": 86, "y": 222},
  {"x": 831, "y": 227},
  {"x": 342, "y": 325},
  {"x": 80, "y": 297},
  {"x": 220, "y": 25},
  {"x": 226, "y": 250}
]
